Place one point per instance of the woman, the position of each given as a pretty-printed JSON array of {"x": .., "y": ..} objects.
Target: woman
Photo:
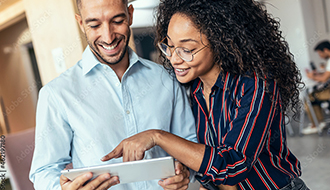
[{"x": 242, "y": 79}]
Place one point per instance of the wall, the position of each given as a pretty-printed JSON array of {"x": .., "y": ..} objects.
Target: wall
[
  {"x": 291, "y": 18},
  {"x": 303, "y": 25},
  {"x": 16, "y": 77},
  {"x": 53, "y": 25}
]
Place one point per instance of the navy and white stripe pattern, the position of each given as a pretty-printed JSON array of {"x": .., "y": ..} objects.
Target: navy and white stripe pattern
[{"x": 245, "y": 134}]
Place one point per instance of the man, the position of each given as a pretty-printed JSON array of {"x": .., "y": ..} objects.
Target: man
[
  {"x": 109, "y": 95},
  {"x": 319, "y": 95}
]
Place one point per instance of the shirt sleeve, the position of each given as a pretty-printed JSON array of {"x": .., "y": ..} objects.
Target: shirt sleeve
[
  {"x": 183, "y": 122},
  {"x": 52, "y": 143},
  {"x": 230, "y": 163}
]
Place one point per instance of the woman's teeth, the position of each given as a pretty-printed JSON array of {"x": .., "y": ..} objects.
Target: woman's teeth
[{"x": 181, "y": 70}]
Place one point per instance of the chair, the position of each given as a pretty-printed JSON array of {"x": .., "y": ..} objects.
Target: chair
[{"x": 19, "y": 153}]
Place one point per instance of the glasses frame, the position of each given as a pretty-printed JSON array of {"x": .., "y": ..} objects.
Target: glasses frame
[{"x": 175, "y": 49}]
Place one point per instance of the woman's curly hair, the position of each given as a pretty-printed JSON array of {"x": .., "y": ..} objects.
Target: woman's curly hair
[{"x": 245, "y": 40}]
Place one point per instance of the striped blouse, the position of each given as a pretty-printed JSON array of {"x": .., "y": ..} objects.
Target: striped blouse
[{"x": 244, "y": 134}]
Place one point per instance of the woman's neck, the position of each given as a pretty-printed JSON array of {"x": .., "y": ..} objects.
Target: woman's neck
[{"x": 210, "y": 78}]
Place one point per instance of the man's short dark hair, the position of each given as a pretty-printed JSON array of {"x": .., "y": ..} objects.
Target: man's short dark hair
[
  {"x": 322, "y": 45},
  {"x": 79, "y": 4}
]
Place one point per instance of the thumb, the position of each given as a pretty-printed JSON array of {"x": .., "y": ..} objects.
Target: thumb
[{"x": 178, "y": 167}]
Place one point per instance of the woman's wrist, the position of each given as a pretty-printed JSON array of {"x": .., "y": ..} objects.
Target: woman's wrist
[{"x": 158, "y": 136}]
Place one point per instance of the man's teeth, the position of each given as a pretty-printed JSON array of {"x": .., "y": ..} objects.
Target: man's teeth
[
  {"x": 109, "y": 47},
  {"x": 181, "y": 70}
]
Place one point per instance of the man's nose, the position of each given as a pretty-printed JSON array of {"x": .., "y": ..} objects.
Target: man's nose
[{"x": 108, "y": 35}]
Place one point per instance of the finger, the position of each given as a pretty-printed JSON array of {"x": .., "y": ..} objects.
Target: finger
[
  {"x": 64, "y": 180},
  {"x": 173, "y": 180},
  {"x": 96, "y": 182},
  {"x": 109, "y": 183},
  {"x": 115, "y": 153},
  {"x": 178, "y": 167},
  {"x": 126, "y": 155},
  {"x": 81, "y": 180},
  {"x": 181, "y": 184}
]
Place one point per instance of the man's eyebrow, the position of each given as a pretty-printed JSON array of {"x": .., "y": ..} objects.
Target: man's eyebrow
[
  {"x": 87, "y": 20},
  {"x": 90, "y": 20}
]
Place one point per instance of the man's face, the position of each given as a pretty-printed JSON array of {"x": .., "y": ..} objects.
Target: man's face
[
  {"x": 324, "y": 54},
  {"x": 106, "y": 25}
]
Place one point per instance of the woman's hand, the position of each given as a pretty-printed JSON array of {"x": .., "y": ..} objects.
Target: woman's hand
[{"x": 133, "y": 148}]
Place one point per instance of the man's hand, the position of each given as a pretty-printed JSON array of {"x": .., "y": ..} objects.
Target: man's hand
[
  {"x": 102, "y": 182},
  {"x": 179, "y": 181},
  {"x": 310, "y": 75},
  {"x": 133, "y": 148}
]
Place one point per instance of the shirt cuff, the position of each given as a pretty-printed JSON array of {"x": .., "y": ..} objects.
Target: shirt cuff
[{"x": 206, "y": 163}]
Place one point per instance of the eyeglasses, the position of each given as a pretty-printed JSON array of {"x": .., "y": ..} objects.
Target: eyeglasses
[{"x": 184, "y": 53}]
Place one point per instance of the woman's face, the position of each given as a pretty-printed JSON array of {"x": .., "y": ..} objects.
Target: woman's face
[{"x": 183, "y": 33}]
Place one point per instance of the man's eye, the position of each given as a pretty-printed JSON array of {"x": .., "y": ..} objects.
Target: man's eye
[
  {"x": 118, "y": 22},
  {"x": 94, "y": 26}
]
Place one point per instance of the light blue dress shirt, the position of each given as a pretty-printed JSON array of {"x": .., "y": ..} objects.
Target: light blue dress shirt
[{"x": 86, "y": 112}]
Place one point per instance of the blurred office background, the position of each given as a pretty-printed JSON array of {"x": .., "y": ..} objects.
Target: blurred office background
[{"x": 39, "y": 39}]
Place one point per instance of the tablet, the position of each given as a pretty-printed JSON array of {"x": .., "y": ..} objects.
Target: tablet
[{"x": 142, "y": 170}]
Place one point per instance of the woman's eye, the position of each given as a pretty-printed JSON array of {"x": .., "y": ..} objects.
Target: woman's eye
[{"x": 187, "y": 50}]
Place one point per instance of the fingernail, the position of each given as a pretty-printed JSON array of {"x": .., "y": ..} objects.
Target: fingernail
[
  {"x": 107, "y": 177},
  {"x": 89, "y": 175}
]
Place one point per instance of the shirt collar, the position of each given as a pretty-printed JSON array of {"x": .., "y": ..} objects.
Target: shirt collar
[
  {"x": 89, "y": 60},
  {"x": 197, "y": 84}
]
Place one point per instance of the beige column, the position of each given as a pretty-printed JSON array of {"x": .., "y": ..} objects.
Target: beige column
[{"x": 54, "y": 31}]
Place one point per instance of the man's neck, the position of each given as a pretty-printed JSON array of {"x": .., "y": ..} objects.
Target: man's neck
[{"x": 121, "y": 67}]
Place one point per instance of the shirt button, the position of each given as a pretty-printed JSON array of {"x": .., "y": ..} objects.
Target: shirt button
[
  {"x": 117, "y": 84},
  {"x": 105, "y": 67},
  {"x": 128, "y": 112}
]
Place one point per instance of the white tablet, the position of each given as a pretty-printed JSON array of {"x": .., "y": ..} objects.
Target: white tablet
[{"x": 142, "y": 170}]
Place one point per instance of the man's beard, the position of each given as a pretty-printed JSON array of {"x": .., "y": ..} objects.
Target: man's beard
[{"x": 121, "y": 56}]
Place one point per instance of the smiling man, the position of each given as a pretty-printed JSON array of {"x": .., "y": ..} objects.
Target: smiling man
[{"x": 109, "y": 95}]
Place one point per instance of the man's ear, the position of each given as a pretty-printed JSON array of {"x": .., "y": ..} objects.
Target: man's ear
[
  {"x": 80, "y": 22},
  {"x": 130, "y": 14}
]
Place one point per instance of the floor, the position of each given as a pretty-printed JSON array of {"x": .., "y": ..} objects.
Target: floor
[{"x": 313, "y": 151}]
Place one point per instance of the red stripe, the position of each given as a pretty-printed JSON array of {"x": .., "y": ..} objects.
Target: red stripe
[
  {"x": 268, "y": 120},
  {"x": 254, "y": 124},
  {"x": 267, "y": 174},
  {"x": 198, "y": 85},
  {"x": 247, "y": 180},
  {"x": 247, "y": 116},
  {"x": 237, "y": 173},
  {"x": 198, "y": 125},
  {"x": 260, "y": 177},
  {"x": 208, "y": 164}
]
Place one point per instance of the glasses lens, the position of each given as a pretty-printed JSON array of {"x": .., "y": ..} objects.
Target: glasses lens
[
  {"x": 184, "y": 53},
  {"x": 165, "y": 49}
]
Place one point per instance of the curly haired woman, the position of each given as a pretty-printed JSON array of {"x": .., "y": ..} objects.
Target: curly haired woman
[{"x": 242, "y": 79}]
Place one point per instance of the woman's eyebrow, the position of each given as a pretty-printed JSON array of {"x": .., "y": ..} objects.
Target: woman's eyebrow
[{"x": 184, "y": 40}]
